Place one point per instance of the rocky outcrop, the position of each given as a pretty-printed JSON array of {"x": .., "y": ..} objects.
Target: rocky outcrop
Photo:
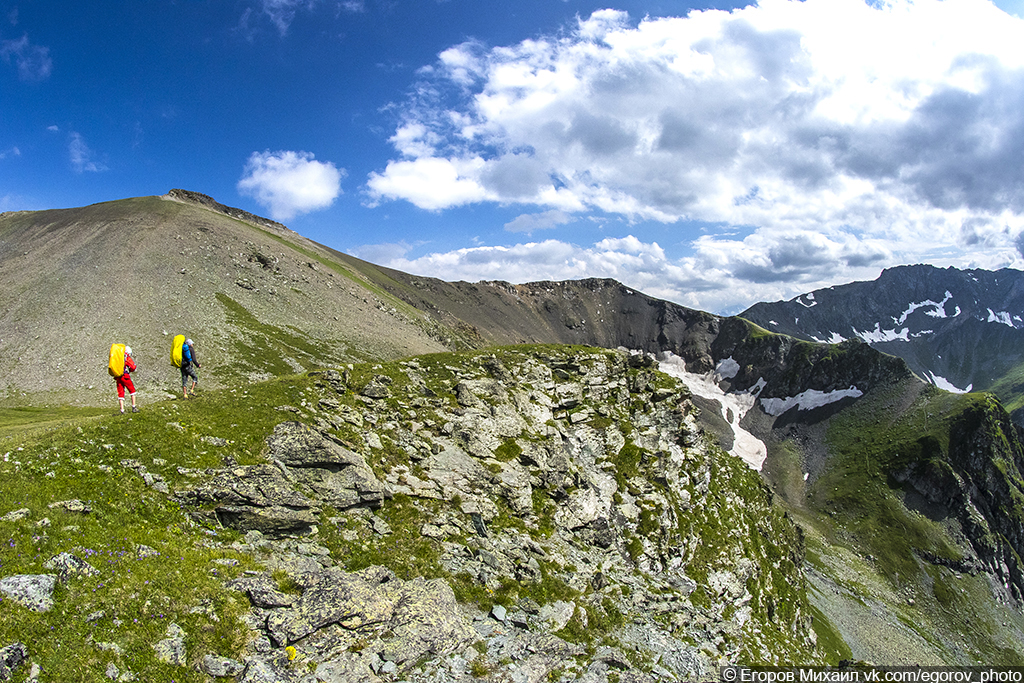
[
  {"x": 573, "y": 489},
  {"x": 269, "y": 498},
  {"x": 239, "y": 214}
]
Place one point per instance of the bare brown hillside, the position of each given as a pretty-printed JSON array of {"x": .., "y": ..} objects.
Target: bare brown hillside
[
  {"x": 139, "y": 271},
  {"x": 259, "y": 299}
]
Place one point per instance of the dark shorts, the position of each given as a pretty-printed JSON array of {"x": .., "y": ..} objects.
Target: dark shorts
[{"x": 188, "y": 370}]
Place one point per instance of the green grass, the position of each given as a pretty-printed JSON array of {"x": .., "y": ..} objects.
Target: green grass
[
  {"x": 21, "y": 421},
  {"x": 135, "y": 598},
  {"x": 870, "y": 441},
  {"x": 1010, "y": 388},
  {"x": 267, "y": 348}
]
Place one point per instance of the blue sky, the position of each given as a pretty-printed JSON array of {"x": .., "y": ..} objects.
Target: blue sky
[{"x": 711, "y": 154}]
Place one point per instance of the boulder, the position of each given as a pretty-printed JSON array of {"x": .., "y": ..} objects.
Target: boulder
[
  {"x": 220, "y": 667},
  {"x": 171, "y": 650},
  {"x": 69, "y": 566},
  {"x": 11, "y": 658},
  {"x": 34, "y": 591}
]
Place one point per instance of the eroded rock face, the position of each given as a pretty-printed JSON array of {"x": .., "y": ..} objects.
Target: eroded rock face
[
  {"x": 405, "y": 620},
  {"x": 267, "y": 498},
  {"x": 576, "y": 489}
]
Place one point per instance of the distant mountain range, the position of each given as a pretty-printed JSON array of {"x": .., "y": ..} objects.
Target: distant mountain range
[{"x": 961, "y": 330}]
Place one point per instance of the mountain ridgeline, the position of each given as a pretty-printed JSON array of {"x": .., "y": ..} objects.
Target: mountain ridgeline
[
  {"x": 961, "y": 330},
  {"x": 508, "y": 462}
]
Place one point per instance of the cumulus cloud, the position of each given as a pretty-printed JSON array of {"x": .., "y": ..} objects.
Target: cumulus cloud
[
  {"x": 838, "y": 134},
  {"x": 528, "y": 222},
  {"x": 715, "y": 277},
  {"x": 32, "y": 61},
  {"x": 290, "y": 183},
  {"x": 82, "y": 158}
]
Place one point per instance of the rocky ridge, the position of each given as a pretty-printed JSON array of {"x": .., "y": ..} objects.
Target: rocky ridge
[
  {"x": 569, "y": 521},
  {"x": 960, "y": 330}
]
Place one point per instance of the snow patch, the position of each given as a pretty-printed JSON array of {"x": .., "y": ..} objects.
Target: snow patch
[
  {"x": 735, "y": 404},
  {"x": 805, "y": 400},
  {"x": 810, "y": 297},
  {"x": 943, "y": 383},
  {"x": 834, "y": 338},
  {"x": 727, "y": 368},
  {"x": 938, "y": 309},
  {"x": 879, "y": 335},
  {"x": 1002, "y": 317}
]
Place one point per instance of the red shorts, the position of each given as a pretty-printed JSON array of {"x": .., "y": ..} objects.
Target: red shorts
[{"x": 124, "y": 382}]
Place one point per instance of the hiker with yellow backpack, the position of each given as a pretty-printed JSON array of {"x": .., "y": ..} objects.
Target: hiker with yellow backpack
[
  {"x": 120, "y": 366},
  {"x": 183, "y": 355}
]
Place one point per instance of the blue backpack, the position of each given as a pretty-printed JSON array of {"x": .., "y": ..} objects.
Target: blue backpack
[{"x": 186, "y": 354}]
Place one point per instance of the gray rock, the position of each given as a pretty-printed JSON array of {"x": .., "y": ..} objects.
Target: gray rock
[
  {"x": 353, "y": 600},
  {"x": 376, "y": 390},
  {"x": 556, "y": 615},
  {"x": 426, "y": 620},
  {"x": 256, "y": 497},
  {"x": 260, "y": 671},
  {"x": 11, "y": 657},
  {"x": 73, "y": 505},
  {"x": 16, "y": 515},
  {"x": 499, "y": 612},
  {"x": 219, "y": 667},
  {"x": 346, "y": 669},
  {"x": 34, "y": 591},
  {"x": 262, "y": 591},
  {"x": 297, "y": 445},
  {"x": 68, "y": 567},
  {"x": 273, "y": 521},
  {"x": 171, "y": 650},
  {"x": 338, "y": 476}
]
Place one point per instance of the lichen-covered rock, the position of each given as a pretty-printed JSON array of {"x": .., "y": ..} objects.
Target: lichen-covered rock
[
  {"x": 220, "y": 667},
  {"x": 11, "y": 657},
  {"x": 69, "y": 566},
  {"x": 34, "y": 591},
  {"x": 171, "y": 650},
  {"x": 339, "y": 476},
  {"x": 410, "y": 618}
]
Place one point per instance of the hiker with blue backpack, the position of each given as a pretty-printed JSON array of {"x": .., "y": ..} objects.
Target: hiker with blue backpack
[{"x": 189, "y": 363}]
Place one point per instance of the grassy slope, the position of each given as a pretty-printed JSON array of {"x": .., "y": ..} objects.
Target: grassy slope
[
  {"x": 141, "y": 270},
  {"x": 889, "y": 568}
]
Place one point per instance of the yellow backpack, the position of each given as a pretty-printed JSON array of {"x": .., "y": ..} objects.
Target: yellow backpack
[
  {"x": 176, "y": 350},
  {"x": 116, "y": 365}
]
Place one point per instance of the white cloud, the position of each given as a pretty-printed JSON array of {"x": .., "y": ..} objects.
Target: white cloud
[
  {"x": 842, "y": 135},
  {"x": 33, "y": 61},
  {"x": 722, "y": 275},
  {"x": 528, "y": 222},
  {"x": 82, "y": 158},
  {"x": 432, "y": 183},
  {"x": 290, "y": 183},
  {"x": 282, "y": 12}
]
